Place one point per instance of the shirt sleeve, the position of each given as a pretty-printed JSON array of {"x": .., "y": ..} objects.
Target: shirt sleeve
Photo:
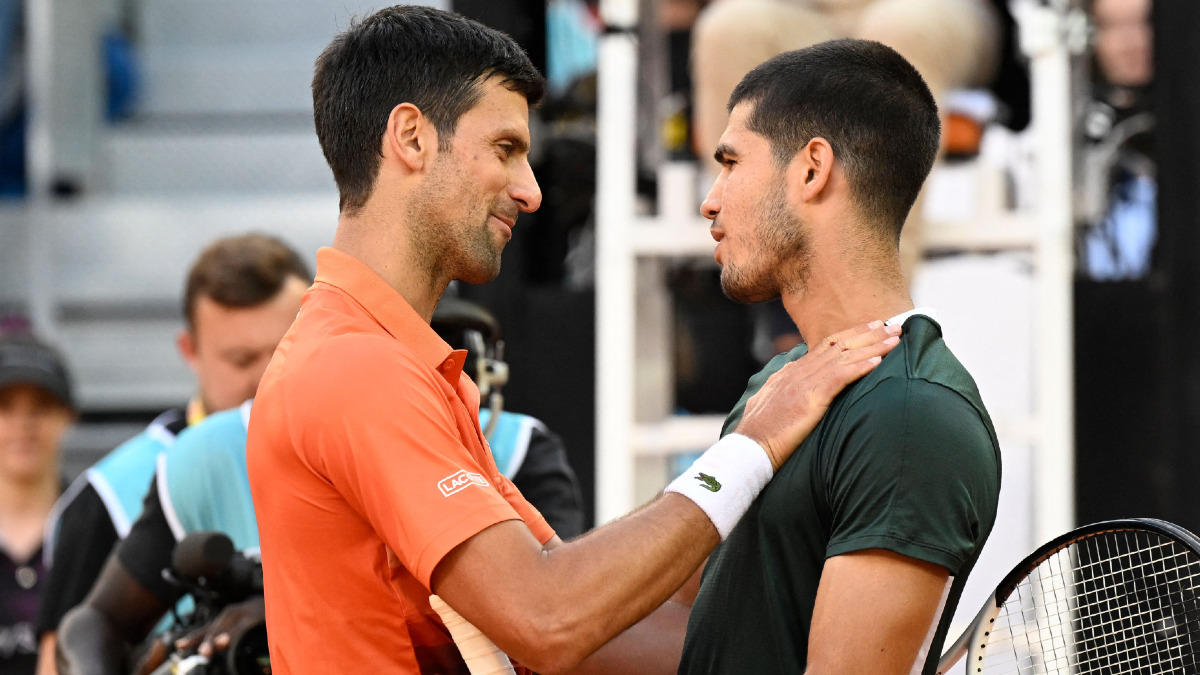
[
  {"x": 84, "y": 541},
  {"x": 916, "y": 474},
  {"x": 392, "y": 448},
  {"x": 548, "y": 482},
  {"x": 148, "y": 548}
]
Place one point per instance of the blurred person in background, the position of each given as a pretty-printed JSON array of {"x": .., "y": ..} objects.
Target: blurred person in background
[
  {"x": 954, "y": 44},
  {"x": 36, "y": 410},
  {"x": 528, "y": 453},
  {"x": 1124, "y": 44},
  {"x": 202, "y": 482},
  {"x": 241, "y": 296},
  {"x": 1120, "y": 188}
]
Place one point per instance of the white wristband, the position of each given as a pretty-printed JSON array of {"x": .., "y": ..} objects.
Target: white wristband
[
  {"x": 481, "y": 655},
  {"x": 725, "y": 480}
]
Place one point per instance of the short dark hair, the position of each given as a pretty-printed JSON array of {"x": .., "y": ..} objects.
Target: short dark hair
[
  {"x": 242, "y": 271},
  {"x": 869, "y": 103},
  {"x": 432, "y": 59}
]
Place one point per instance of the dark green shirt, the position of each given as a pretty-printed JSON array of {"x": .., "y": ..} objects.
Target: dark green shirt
[{"x": 905, "y": 460}]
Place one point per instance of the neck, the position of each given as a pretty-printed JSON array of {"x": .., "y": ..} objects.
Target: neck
[
  {"x": 24, "y": 507},
  {"x": 838, "y": 295},
  {"x": 380, "y": 242},
  {"x": 29, "y": 496}
]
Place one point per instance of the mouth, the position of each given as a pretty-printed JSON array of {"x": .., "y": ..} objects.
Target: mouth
[{"x": 505, "y": 223}]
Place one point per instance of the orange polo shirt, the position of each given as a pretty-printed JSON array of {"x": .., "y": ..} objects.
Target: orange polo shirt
[{"x": 367, "y": 466}]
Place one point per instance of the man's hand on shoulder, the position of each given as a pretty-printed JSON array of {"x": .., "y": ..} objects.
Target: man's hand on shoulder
[{"x": 789, "y": 406}]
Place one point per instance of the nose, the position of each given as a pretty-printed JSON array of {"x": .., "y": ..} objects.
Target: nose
[
  {"x": 712, "y": 202},
  {"x": 524, "y": 189}
]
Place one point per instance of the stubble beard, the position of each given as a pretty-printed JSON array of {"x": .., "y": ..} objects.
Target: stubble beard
[
  {"x": 778, "y": 252},
  {"x": 448, "y": 244}
]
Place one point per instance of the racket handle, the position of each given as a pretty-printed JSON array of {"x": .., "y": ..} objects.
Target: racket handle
[{"x": 481, "y": 655}]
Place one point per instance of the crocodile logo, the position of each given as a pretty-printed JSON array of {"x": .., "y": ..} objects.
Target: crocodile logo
[{"x": 708, "y": 482}]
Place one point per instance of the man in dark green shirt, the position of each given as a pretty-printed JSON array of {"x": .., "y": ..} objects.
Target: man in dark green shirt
[
  {"x": 852, "y": 560},
  {"x": 905, "y": 461}
]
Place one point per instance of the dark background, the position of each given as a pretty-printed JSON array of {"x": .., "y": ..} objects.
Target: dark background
[{"x": 1137, "y": 346}]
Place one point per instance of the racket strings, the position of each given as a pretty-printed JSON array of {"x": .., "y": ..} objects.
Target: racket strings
[{"x": 1122, "y": 602}]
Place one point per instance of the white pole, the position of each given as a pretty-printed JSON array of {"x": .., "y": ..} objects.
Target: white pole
[
  {"x": 616, "y": 132},
  {"x": 40, "y": 74},
  {"x": 1043, "y": 38}
]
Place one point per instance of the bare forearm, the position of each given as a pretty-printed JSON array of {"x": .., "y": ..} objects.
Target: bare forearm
[
  {"x": 46, "y": 654},
  {"x": 652, "y": 646},
  {"x": 571, "y": 600},
  {"x": 619, "y": 574}
]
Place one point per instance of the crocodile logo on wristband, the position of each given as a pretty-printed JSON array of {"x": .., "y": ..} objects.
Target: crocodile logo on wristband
[{"x": 708, "y": 482}]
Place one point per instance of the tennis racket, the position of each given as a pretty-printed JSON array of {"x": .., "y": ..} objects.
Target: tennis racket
[
  {"x": 1122, "y": 596},
  {"x": 481, "y": 655}
]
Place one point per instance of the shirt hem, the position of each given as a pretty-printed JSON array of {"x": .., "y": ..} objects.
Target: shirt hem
[
  {"x": 449, "y": 538},
  {"x": 905, "y": 547}
]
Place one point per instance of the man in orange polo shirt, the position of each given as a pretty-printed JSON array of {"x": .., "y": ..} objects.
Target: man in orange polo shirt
[{"x": 372, "y": 483}]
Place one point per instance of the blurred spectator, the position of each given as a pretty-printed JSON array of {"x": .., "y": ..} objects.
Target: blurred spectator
[
  {"x": 953, "y": 43},
  {"x": 36, "y": 410},
  {"x": 527, "y": 452},
  {"x": 241, "y": 297},
  {"x": 202, "y": 483},
  {"x": 1119, "y": 187},
  {"x": 1124, "y": 42},
  {"x": 12, "y": 99},
  {"x": 572, "y": 33}
]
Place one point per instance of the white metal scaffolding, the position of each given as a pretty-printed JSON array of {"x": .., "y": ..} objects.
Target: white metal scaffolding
[{"x": 628, "y": 428}]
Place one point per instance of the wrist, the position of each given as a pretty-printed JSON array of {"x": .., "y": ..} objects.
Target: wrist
[
  {"x": 763, "y": 442},
  {"x": 726, "y": 480}
]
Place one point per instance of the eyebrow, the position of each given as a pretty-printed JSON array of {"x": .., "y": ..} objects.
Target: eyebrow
[
  {"x": 724, "y": 151},
  {"x": 514, "y": 137}
]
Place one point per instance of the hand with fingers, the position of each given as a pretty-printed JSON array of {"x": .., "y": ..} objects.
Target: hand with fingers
[
  {"x": 789, "y": 406},
  {"x": 232, "y": 622}
]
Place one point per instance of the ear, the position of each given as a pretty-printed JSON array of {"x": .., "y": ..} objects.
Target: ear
[
  {"x": 186, "y": 343},
  {"x": 812, "y": 168},
  {"x": 410, "y": 138}
]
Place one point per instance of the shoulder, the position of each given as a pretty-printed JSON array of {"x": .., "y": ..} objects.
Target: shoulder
[
  {"x": 354, "y": 361},
  {"x": 756, "y": 382},
  {"x": 220, "y": 436},
  {"x": 121, "y": 477},
  {"x": 511, "y": 438},
  {"x": 914, "y": 427},
  {"x": 927, "y": 357},
  {"x": 78, "y": 511},
  {"x": 138, "y": 452}
]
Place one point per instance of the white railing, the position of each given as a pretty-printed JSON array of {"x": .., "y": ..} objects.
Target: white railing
[{"x": 624, "y": 237}]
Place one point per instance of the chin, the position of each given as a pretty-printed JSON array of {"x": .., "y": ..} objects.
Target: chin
[
  {"x": 739, "y": 288},
  {"x": 481, "y": 274}
]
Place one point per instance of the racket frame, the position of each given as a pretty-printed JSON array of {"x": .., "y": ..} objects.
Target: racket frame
[{"x": 973, "y": 642}]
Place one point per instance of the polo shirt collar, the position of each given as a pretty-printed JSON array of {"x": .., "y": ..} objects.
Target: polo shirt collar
[{"x": 389, "y": 309}]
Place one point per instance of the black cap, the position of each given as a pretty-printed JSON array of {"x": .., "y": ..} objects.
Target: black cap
[{"x": 26, "y": 360}]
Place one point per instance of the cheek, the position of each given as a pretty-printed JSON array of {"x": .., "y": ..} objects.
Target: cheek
[
  {"x": 736, "y": 216},
  {"x": 50, "y": 433}
]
